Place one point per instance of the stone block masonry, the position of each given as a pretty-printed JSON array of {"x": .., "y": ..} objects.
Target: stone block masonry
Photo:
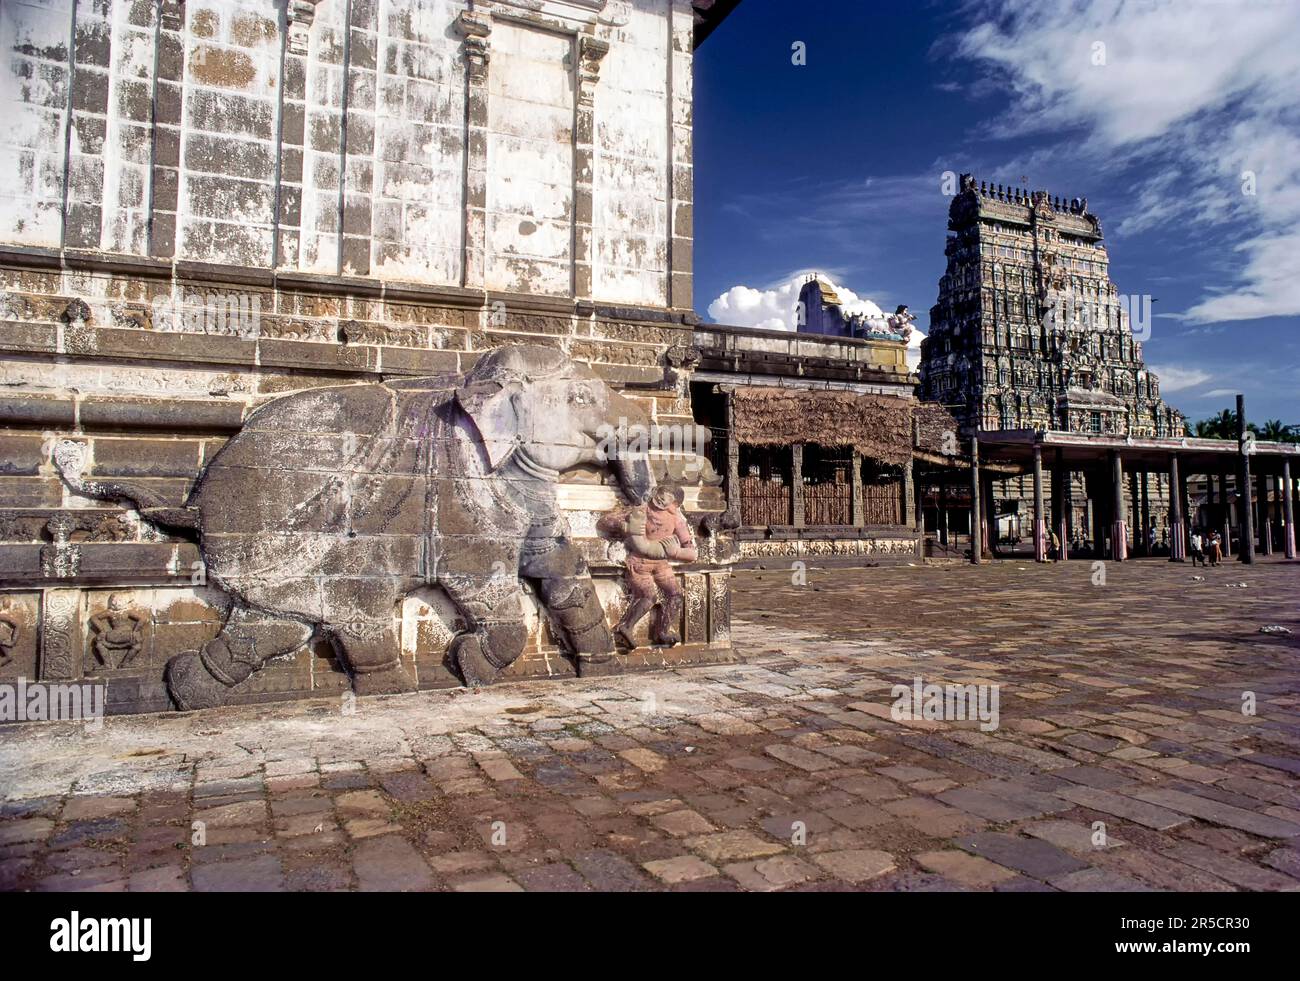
[{"x": 215, "y": 203}]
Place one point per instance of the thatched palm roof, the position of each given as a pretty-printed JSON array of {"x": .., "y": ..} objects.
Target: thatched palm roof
[{"x": 879, "y": 426}]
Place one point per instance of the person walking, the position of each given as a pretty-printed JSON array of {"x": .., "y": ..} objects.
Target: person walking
[
  {"x": 1198, "y": 556},
  {"x": 1216, "y": 549}
]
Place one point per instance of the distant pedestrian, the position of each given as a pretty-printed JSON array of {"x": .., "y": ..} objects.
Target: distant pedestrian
[
  {"x": 1056, "y": 546},
  {"x": 1216, "y": 548}
]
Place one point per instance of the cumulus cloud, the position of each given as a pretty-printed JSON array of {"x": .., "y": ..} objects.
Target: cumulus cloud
[
  {"x": 1176, "y": 379},
  {"x": 776, "y": 308},
  {"x": 1203, "y": 93}
]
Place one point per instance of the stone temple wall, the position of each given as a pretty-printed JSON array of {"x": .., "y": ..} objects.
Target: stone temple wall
[{"x": 251, "y": 199}]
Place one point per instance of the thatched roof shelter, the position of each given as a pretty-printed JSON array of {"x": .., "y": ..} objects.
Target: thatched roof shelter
[{"x": 879, "y": 426}]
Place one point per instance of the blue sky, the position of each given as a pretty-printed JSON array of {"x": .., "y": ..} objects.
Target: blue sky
[{"x": 1163, "y": 114}]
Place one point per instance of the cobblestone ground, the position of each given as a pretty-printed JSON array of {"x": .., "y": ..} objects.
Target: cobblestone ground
[{"x": 1120, "y": 705}]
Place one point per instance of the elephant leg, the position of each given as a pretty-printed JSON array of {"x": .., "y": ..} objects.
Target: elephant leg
[
  {"x": 249, "y": 638},
  {"x": 373, "y": 652},
  {"x": 361, "y": 616},
  {"x": 497, "y": 632},
  {"x": 569, "y": 595},
  {"x": 575, "y": 607}
]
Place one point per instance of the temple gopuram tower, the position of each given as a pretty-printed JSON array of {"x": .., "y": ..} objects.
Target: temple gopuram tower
[{"x": 1029, "y": 331}]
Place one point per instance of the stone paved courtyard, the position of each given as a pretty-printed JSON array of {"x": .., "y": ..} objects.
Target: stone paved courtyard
[{"x": 1119, "y": 704}]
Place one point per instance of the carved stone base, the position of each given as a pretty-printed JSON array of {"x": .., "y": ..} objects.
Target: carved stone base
[
  {"x": 648, "y": 659},
  {"x": 598, "y": 665}
]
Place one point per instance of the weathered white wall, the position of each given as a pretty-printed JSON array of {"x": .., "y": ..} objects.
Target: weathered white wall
[
  {"x": 403, "y": 209},
  {"x": 419, "y": 196},
  {"x": 35, "y": 38},
  {"x": 530, "y": 161},
  {"x": 227, "y": 184},
  {"x": 630, "y": 189}
]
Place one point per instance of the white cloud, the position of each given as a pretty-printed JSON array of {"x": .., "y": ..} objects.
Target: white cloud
[
  {"x": 1199, "y": 92},
  {"x": 1176, "y": 379},
  {"x": 1218, "y": 393},
  {"x": 776, "y": 308}
]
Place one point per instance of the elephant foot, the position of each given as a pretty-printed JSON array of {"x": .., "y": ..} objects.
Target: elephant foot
[
  {"x": 474, "y": 668},
  {"x": 390, "y": 680},
  {"x": 191, "y": 685}
]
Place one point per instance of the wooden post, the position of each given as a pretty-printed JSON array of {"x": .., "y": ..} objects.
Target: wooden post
[
  {"x": 1247, "y": 507},
  {"x": 1177, "y": 538},
  {"x": 976, "y": 534},
  {"x": 1119, "y": 530},
  {"x": 1040, "y": 519},
  {"x": 796, "y": 485},
  {"x": 1288, "y": 509}
]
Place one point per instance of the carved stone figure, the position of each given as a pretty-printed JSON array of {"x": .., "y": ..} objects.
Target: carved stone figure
[
  {"x": 332, "y": 504},
  {"x": 655, "y": 534},
  {"x": 119, "y": 633},
  {"x": 10, "y": 632}
]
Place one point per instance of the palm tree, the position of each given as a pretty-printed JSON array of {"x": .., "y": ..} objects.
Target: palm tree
[{"x": 1274, "y": 431}]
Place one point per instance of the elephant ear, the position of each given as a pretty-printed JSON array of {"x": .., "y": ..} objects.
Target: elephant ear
[{"x": 496, "y": 412}]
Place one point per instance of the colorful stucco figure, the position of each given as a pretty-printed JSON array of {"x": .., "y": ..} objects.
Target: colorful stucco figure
[{"x": 656, "y": 534}]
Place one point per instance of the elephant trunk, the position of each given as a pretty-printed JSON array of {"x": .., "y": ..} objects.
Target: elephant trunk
[{"x": 630, "y": 457}]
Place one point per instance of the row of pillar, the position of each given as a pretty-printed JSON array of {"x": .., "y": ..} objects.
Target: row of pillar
[{"x": 1284, "y": 493}]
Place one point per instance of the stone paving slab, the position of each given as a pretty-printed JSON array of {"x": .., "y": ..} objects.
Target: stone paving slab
[{"x": 1120, "y": 759}]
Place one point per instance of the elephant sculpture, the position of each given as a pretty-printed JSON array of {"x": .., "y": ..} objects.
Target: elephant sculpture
[{"x": 332, "y": 504}]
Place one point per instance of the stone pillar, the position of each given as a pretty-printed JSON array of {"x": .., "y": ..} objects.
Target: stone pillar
[
  {"x": 299, "y": 15},
  {"x": 796, "y": 485},
  {"x": 357, "y": 180},
  {"x": 1066, "y": 520},
  {"x": 1040, "y": 519},
  {"x": 1119, "y": 532},
  {"x": 681, "y": 176},
  {"x": 733, "y": 458},
  {"x": 1288, "y": 509},
  {"x": 1177, "y": 537},
  {"x": 1092, "y": 524},
  {"x": 989, "y": 528},
  {"x": 1247, "y": 506},
  {"x": 1265, "y": 516},
  {"x": 941, "y": 517},
  {"x": 168, "y": 98},
  {"x": 858, "y": 518},
  {"x": 1227, "y": 513},
  {"x": 976, "y": 517},
  {"x": 910, "y": 510},
  {"x": 1144, "y": 487},
  {"x": 590, "y": 53},
  {"x": 1132, "y": 512},
  {"x": 475, "y": 28}
]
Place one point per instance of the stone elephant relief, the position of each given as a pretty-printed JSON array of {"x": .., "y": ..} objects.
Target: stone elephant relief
[{"x": 332, "y": 504}]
